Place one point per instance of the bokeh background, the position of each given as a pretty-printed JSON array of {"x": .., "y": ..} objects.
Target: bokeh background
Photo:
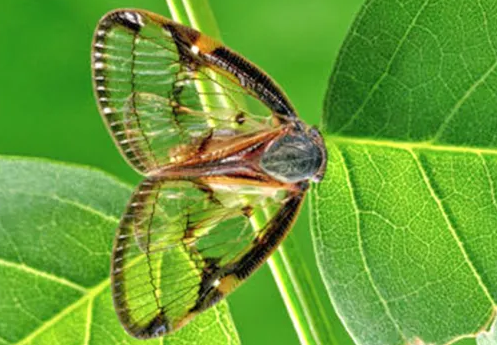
[{"x": 47, "y": 107}]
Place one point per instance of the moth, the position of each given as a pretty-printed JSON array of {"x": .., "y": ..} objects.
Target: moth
[{"x": 226, "y": 164}]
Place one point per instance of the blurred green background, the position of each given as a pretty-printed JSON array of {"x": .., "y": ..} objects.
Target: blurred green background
[{"x": 47, "y": 107}]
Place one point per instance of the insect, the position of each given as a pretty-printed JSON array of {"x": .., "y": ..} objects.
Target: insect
[{"x": 225, "y": 159}]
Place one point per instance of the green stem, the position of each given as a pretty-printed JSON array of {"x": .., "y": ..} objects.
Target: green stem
[
  {"x": 178, "y": 12},
  {"x": 298, "y": 285},
  {"x": 202, "y": 17},
  {"x": 287, "y": 266}
]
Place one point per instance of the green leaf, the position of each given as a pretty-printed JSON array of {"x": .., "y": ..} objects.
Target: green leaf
[
  {"x": 405, "y": 221},
  {"x": 56, "y": 231}
]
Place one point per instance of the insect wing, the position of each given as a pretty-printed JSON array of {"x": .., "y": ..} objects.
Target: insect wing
[
  {"x": 154, "y": 81},
  {"x": 182, "y": 246},
  {"x": 168, "y": 93}
]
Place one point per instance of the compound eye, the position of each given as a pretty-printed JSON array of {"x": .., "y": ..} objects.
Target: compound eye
[{"x": 314, "y": 132}]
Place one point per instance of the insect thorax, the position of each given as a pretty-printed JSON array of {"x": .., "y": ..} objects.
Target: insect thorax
[{"x": 292, "y": 158}]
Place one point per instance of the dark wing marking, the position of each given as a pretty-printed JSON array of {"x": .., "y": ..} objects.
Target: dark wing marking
[
  {"x": 154, "y": 81},
  {"x": 184, "y": 245}
]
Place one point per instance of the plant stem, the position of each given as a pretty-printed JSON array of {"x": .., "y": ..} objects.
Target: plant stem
[
  {"x": 287, "y": 266},
  {"x": 298, "y": 281},
  {"x": 178, "y": 12},
  {"x": 201, "y": 16}
]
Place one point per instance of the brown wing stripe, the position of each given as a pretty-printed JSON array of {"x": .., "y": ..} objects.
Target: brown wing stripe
[
  {"x": 156, "y": 328},
  {"x": 182, "y": 34},
  {"x": 210, "y": 293},
  {"x": 275, "y": 232},
  {"x": 183, "y": 37},
  {"x": 208, "y": 299},
  {"x": 252, "y": 78},
  {"x": 248, "y": 75},
  {"x": 129, "y": 19}
]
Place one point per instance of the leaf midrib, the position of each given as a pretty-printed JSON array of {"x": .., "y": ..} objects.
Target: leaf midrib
[{"x": 415, "y": 145}]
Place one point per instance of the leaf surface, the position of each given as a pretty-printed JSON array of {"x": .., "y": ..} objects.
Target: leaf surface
[
  {"x": 405, "y": 220},
  {"x": 57, "y": 226}
]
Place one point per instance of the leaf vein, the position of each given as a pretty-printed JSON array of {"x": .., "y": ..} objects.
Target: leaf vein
[
  {"x": 86, "y": 208},
  {"x": 451, "y": 228},
  {"x": 367, "y": 269},
  {"x": 12, "y": 243},
  {"x": 490, "y": 181},
  {"x": 45, "y": 326},
  {"x": 487, "y": 31},
  {"x": 30, "y": 270},
  {"x": 78, "y": 243},
  {"x": 76, "y": 204},
  {"x": 389, "y": 65},
  {"x": 223, "y": 326},
  {"x": 461, "y": 101},
  {"x": 89, "y": 318}
]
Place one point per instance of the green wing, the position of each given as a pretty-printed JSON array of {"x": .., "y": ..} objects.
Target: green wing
[
  {"x": 182, "y": 246},
  {"x": 161, "y": 98}
]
